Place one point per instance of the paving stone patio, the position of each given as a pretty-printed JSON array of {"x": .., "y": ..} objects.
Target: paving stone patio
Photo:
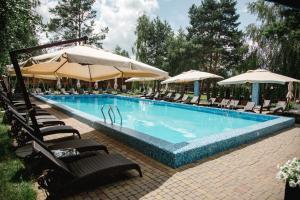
[{"x": 243, "y": 173}]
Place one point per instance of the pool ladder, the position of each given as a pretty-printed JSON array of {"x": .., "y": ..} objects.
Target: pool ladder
[{"x": 111, "y": 114}]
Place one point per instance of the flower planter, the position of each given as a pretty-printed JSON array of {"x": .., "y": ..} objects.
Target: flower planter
[{"x": 291, "y": 193}]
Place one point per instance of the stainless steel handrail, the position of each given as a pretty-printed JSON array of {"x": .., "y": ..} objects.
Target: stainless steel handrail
[
  {"x": 112, "y": 110},
  {"x": 103, "y": 113},
  {"x": 119, "y": 114},
  {"x": 109, "y": 110}
]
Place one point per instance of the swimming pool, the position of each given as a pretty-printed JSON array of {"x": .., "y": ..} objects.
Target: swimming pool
[{"x": 169, "y": 129}]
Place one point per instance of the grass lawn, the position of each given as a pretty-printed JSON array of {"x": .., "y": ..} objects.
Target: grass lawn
[{"x": 13, "y": 185}]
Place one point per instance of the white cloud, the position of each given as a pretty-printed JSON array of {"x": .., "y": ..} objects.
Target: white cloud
[
  {"x": 44, "y": 7},
  {"x": 119, "y": 16}
]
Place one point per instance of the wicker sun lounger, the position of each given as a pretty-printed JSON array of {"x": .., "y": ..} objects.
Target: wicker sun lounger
[
  {"x": 43, "y": 118},
  {"x": 82, "y": 145},
  {"x": 22, "y": 138},
  {"x": 66, "y": 176}
]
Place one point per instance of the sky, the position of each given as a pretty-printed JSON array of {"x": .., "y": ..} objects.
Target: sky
[{"x": 120, "y": 17}]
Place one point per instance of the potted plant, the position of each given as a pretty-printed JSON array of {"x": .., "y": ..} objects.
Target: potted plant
[{"x": 290, "y": 174}]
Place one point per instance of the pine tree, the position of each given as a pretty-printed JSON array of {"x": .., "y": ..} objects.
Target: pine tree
[
  {"x": 74, "y": 19},
  {"x": 214, "y": 32}
]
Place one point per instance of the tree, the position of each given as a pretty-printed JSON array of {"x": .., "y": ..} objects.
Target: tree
[
  {"x": 277, "y": 37},
  {"x": 74, "y": 19},
  {"x": 19, "y": 24},
  {"x": 214, "y": 32},
  {"x": 122, "y": 52},
  {"x": 152, "y": 41},
  {"x": 178, "y": 54}
]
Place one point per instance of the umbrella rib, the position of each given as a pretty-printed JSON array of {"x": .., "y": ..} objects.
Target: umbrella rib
[
  {"x": 90, "y": 73},
  {"x": 60, "y": 66}
]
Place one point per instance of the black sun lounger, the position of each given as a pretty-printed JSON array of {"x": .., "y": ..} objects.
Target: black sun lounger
[
  {"x": 64, "y": 176},
  {"x": 82, "y": 145},
  {"x": 19, "y": 122}
]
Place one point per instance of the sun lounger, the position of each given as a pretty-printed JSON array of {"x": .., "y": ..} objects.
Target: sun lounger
[
  {"x": 194, "y": 100},
  {"x": 280, "y": 107},
  {"x": 233, "y": 104},
  {"x": 75, "y": 174},
  {"x": 20, "y": 122},
  {"x": 168, "y": 96},
  {"x": 156, "y": 96},
  {"x": 38, "y": 91},
  {"x": 223, "y": 103},
  {"x": 185, "y": 99},
  {"x": 150, "y": 93},
  {"x": 73, "y": 91},
  {"x": 63, "y": 91},
  {"x": 82, "y": 145},
  {"x": 249, "y": 107},
  {"x": 176, "y": 97}
]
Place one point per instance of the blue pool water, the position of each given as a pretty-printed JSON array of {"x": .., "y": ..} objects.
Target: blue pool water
[{"x": 167, "y": 121}]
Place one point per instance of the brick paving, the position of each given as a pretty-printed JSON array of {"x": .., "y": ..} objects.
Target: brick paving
[{"x": 243, "y": 173}]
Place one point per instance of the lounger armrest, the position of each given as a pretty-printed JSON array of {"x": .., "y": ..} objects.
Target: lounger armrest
[{"x": 59, "y": 129}]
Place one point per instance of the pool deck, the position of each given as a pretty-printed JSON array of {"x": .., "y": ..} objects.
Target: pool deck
[{"x": 246, "y": 172}]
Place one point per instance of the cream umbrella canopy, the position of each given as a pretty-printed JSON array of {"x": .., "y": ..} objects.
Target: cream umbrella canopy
[
  {"x": 89, "y": 64},
  {"x": 11, "y": 72},
  {"x": 190, "y": 76},
  {"x": 145, "y": 79},
  {"x": 258, "y": 76}
]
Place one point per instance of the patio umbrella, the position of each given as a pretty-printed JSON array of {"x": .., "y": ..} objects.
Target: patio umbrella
[
  {"x": 88, "y": 64},
  {"x": 290, "y": 91},
  {"x": 190, "y": 76},
  {"x": 58, "y": 83},
  {"x": 78, "y": 84},
  {"x": 11, "y": 72},
  {"x": 116, "y": 84},
  {"x": 144, "y": 79},
  {"x": 255, "y": 77},
  {"x": 96, "y": 85},
  {"x": 258, "y": 76}
]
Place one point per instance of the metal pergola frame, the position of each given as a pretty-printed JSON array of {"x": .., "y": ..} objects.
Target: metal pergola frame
[{"x": 14, "y": 59}]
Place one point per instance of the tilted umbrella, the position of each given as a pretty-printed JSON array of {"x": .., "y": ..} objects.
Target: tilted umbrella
[{"x": 88, "y": 64}]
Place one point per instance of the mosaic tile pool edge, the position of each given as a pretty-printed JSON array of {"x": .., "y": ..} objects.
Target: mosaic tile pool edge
[{"x": 176, "y": 155}]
